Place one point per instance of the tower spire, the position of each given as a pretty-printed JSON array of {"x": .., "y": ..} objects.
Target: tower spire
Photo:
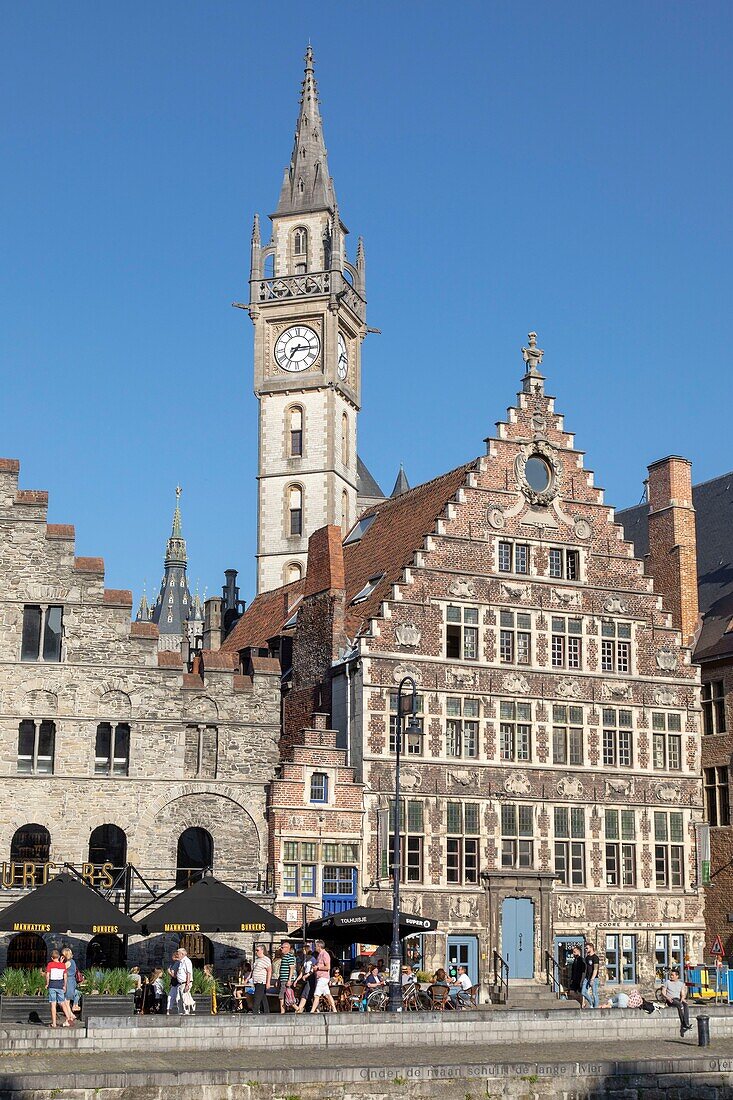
[
  {"x": 307, "y": 185},
  {"x": 171, "y": 609}
]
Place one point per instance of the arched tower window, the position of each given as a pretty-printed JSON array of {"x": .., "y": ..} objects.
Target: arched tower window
[
  {"x": 31, "y": 844},
  {"x": 293, "y": 572},
  {"x": 345, "y": 439},
  {"x": 295, "y": 510},
  {"x": 300, "y": 250},
  {"x": 108, "y": 844},
  {"x": 344, "y": 512},
  {"x": 295, "y": 429}
]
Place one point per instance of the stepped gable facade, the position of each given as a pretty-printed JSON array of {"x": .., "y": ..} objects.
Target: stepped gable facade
[
  {"x": 112, "y": 752},
  {"x": 676, "y": 515},
  {"x": 554, "y": 788}
]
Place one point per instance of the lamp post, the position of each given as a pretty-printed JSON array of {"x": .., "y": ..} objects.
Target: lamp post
[{"x": 395, "y": 950}]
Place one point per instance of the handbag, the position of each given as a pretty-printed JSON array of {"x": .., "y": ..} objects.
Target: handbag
[
  {"x": 188, "y": 1001},
  {"x": 289, "y": 997}
]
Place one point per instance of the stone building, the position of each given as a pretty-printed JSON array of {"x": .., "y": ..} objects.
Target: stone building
[
  {"x": 111, "y": 751},
  {"x": 684, "y": 534},
  {"x": 553, "y": 789}
]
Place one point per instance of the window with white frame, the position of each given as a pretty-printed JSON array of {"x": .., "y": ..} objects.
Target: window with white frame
[
  {"x": 567, "y": 734},
  {"x": 36, "y": 745},
  {"x": 564, "y": 564},
  {"x": 667, "y": 741},
  {"x": 515, "y": 638},
  {"x": 717, "y": 798},
  {"x": 713, "y": 707},
  {"x": 515, "y": 730},
  {"x": 299, "y": 868},
  {"x": 669, "y": 849},
  {"x": 461, "y": 633},
  {"x": 461, "y": 727},
  {"x": 517, "y": 831},
  {"x": 615, "y": 647},
  {"x": 411, "y": 840},
  {"x": 112, "y": 749},
  {"x": 412, "y": 744},
  {"x": 513, "y": 557},
  {"x": 617, "y": 738},
  {"x": 620, "y": 848},
  {"x": 462, "y": 843},
  {"x": 621, "y": 959},
  {"x": 570, "y": 845},
  {"x": 296, "y": 431},
  {"x": 319, "y": 787},
  {"x": 567, "y": 642},
  {"x": 295, "y": 510}
]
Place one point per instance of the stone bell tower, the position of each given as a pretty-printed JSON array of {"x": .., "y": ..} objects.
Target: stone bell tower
[{"x": 308, "y": 306}]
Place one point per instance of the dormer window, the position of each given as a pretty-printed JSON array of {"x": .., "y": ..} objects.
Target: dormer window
[{"x": 368, "y": 588}]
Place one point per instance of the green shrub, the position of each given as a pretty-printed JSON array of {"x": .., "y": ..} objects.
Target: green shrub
[
  {"x": 13, "y": 983},
  {"x": 202, "y": 985},
  {"x": 35, "y": 983}
]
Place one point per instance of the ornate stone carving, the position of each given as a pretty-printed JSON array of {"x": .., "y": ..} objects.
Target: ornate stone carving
[
  {"x": 462, "y": 588},
  {"x": 532, "y": 355},
  {"x": 566, "y": 598},
  {"x": 615, "y": 606},
  {"x": 665, "y": 696},
  {"x": 583, "y": 529},
  {"x": 516, "y": 684},
  {"x": 672, "y": 909},
  {"x": 461, "y": 778},
  {"x": 408, "y": 634},
  {"x": 667, "y": 658},
  {"x": 568, "y": 689},
  {"x": 496, "y": 519},
  {"x": 668, "y": 792},
  {"x": 410, "y": 780},
  {"x": 622, "y": 908},
  {"x": 542, "y": 449},
  {"x": 617, "y": 691},
  {"x": 517, "y": 783},
  {"x": 461, "y": 677},
  {"x": 569, "y": 787},
  {"x": 514, "y": 591},
  {"x": 406, "y": 670},
  {"x": 571, "y": 908},
  {"x": 619, "y": 788}
]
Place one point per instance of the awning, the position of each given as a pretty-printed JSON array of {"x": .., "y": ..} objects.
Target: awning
[
  {"x": 65, "y": 904},
  {"x": 364, "y": 925},
  {"x": 211, "y": 906}
]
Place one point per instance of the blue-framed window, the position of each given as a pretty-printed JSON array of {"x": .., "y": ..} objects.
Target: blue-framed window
[
  {"x": 299, "y": 880},
  {"x": 339, "y": 880},
  {"x": 319, "y": 787},
  {"x": 621, "y": 959}
]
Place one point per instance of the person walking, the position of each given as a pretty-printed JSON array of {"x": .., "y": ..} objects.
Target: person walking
[
  {"x": 56, "y": 986},
  {"x": 577, "y": 975},
  {"x": 181, "y": 972},
  {"x": 261, "y": 978},
  {"x": 286, "y": 977},
  {"x": 308, "y": 976},
  {"x": 674, "y": 992},
  {"x": 323, "y": 973},
  {"x": 589, "y": 988}
]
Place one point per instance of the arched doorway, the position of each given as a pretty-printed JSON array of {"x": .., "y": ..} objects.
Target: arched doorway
[
  {"x": 195, "y": 854},
  {"x": 31, "y": 844},
  {"x": 108, "y": 844},
  {"x": 27, "y": 951},
  {"x": 105, "y": 952},
  {"x": 199, "y": 948}
]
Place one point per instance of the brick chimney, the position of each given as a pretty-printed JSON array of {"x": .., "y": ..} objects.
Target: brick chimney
[{"x": 672, "y": 558}]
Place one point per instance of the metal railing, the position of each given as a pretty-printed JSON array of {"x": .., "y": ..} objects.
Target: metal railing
[
  {"x": 501, "y": 979},
  {"x": 552, "y": 974}
]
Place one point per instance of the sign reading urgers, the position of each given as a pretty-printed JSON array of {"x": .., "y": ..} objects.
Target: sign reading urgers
[
  {"x": 252, "y": 928},
  {"x": 23, "y": 875}
]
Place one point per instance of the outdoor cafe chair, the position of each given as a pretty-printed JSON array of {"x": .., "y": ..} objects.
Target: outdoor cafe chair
[{"x": 440, "y": 997}]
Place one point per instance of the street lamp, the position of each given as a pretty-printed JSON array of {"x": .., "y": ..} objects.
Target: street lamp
[{"x": 395, "y": 950}]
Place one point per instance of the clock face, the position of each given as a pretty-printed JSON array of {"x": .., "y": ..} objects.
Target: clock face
[
  {"x": 343, "y": 360},
  {"x": 297, "y": 348}
]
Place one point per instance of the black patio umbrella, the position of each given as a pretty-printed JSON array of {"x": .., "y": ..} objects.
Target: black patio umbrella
[
  {"x": 364, "y": 925},
  {"x": 65, "y": 904},
  {"x": 210, "y": 906}
]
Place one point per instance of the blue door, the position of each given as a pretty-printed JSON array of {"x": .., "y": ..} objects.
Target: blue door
[
  {"x": 462, "y": 951},
  {"x": 517, "y": 936},
  {"x": 339, "y": 889}
]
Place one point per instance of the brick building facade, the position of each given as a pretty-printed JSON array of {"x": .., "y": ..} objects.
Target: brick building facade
[
  {"x": 110, "y": 750},
  {"x": 554, "y": 789}
]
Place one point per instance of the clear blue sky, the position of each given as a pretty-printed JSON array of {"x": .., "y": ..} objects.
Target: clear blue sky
[{"x": 562, "y": 167}]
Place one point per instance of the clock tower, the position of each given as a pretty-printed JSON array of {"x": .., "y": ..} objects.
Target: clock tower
[{"x": 308, "y": 307}]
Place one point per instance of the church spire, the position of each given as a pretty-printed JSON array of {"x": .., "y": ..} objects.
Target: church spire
[
  {"x": 172, "y": 607},
  {"x": 307, "y": 185}
]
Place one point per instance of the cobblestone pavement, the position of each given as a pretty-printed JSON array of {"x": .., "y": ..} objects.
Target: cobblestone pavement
[{"x": 79, "y": 1063}]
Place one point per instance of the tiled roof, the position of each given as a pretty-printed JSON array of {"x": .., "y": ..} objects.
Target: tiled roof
[
  {"x": 713, "y": 503},
  {"x": 388, "y": 546}
]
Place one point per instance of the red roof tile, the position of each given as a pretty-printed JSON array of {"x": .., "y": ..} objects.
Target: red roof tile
[
  {"x": 387, "y": 547},
  {"x": 31, "y": 496},
  {"x": 118, "y": 596},
  {"x": 168, "y": 658},
  {"x": 89, "y": 565},
  {"x": 219, "y": 659},
  {"x": 9, "y": 466},
  {"x": 60, "y": 531},
  {"x": 143, "y": 630}
]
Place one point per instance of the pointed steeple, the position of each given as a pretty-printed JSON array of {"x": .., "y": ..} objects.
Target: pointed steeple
[
  {"x": 143, "y": 611},
  {"x": 173, "y": 605},
  {"x": 307, "y": 185},
  {"x": 176, "y": 550},
  {"x": 255, "y": 265},
  {"x": 401, "y": 485}
]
